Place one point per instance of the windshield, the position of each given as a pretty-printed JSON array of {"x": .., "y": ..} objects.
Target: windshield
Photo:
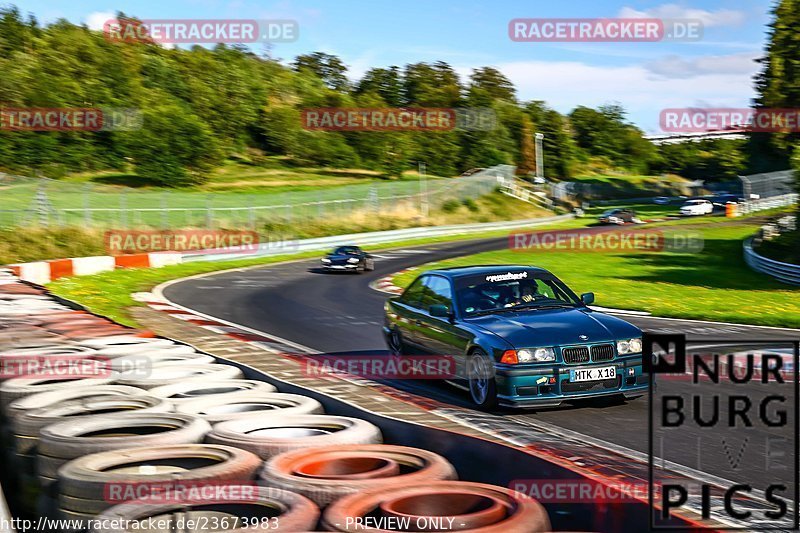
[
  {"x": 345, "y": 250},
  {"x": 511, "y": 291}
]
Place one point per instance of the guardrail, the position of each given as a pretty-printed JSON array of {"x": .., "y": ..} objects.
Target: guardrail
[
  {"x": 783, "y": 272},
  {"x": 375, "y": 237},
  {"x": 772, "y": 202}
]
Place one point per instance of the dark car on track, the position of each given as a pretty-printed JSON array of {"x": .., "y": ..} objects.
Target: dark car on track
[
  {"x": 348, "y": 258},
  {"x": 620, "y": 215},
  {"x": 519, "y": 336}
]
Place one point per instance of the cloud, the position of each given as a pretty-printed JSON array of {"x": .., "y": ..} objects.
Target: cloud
[
  {"x": 567, "y": 84},
  {"x": 720, "y": 17},
  {"x": 674, "y": 66},
  {"x": 97, "y": 20}
]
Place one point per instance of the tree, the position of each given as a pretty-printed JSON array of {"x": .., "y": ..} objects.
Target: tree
[
  {"x": 493, "y": 81},
  {"x": 527, "y": 152},
  {"x": 174, "y": 148},
  {"x": 326, "y": 67},
  {"x": 778, "y": 85},
  {"x": 383, "y": 82}
]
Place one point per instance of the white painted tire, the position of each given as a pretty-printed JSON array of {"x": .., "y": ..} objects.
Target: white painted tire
[
  {"x": 164, "y": 375},
  {"x": 264, "y": 405},
  {"x": 270, "y": 436},
  {"x": 179, "y": 393}
]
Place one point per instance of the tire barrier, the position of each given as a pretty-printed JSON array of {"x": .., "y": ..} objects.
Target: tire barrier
[
  {"x": 122, "y": 341},
  {"x": 327, "y": 474},
  {"x": 270, "y": 436},
  {"x": 269, "y": 510},
  {"x": 179, "y": 393},
  {"x": 439, "y": 506},
  {"x": 145, "y": 349},
  {"x": 46, "y": 399},
  {"x": 156, "y": 359},
  {"x": 265, "y": 405},
  {"x": 164, "y": 375},
  {"x": 67, "y": 440},
  {"x": 93, "y": 483},
  {"x": 27, "y": 426},
  {"x": 16, "y": 388}
]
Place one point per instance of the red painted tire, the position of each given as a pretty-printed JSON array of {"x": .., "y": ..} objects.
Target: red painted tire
[
  {"x": 474, "y": 507},
  {"x": 327, "y": 474},
  {"x": 291, "y": 512}
]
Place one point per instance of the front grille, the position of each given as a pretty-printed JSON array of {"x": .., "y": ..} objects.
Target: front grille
[
  {"x": 588, "y": 386},
  {"x": 575, "y": 354},
  {"x": 602, "y": 352}
]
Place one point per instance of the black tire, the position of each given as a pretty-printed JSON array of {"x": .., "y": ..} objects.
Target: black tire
[
  {"x": 395, "y": 343},
  {"x": 482, "y": 384}
]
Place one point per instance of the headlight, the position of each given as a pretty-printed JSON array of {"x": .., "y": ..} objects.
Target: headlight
[
  {"x": 326, "y": 260},
  {"x": 353, "y": 260},
  {"x": 629, "y": 346},
  {"x": 536, "y": 355}
]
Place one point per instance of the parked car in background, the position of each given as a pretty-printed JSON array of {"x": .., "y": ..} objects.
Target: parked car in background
[
  {"x": 619, "y": 215},
  {"x": 697, "y": 207},
  {"x": 348, "y": 258}
]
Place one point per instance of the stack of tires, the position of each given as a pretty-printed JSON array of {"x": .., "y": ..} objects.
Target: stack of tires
[{"x": 166, "y": 422}]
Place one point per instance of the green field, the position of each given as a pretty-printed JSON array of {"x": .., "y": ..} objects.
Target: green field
[
  {"x": 237, "y": 194},
  {"x": 712, "y": 285}
]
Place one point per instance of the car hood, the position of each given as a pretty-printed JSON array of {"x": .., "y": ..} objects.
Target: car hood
[
  {"x": 340, "y": 258},
  {"x": 555, "y": 327}
]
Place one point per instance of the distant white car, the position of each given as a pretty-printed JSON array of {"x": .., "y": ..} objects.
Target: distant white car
[{"x": 697, "y": 207}]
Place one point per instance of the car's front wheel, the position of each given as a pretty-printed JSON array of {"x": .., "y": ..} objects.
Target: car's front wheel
[{"x": 482, "y": 386}]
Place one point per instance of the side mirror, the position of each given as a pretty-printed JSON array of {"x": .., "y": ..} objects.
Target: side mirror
[
  {"x": 587, "y": 298},
  {"x": 439, "y": 310}
]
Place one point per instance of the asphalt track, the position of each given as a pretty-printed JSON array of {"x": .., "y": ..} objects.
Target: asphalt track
[{"x": 341, "y": 314}]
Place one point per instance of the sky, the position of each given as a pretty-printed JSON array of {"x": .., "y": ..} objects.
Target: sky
[{"x": 714, "y": 71}]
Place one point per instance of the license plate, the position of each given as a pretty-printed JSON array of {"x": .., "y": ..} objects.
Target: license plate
[{"x": 592, "y": 374}]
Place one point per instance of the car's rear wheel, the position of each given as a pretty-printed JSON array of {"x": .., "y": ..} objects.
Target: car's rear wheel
[
  {"x": 395, "y": 342},
  {"x": 369, "y": 264},
  {"x": 482, "y": 386}
]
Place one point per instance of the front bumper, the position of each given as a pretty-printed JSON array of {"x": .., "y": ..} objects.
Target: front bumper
[
  {"x": 550, "y": 386},
  {"x": 340, "y": 266}
]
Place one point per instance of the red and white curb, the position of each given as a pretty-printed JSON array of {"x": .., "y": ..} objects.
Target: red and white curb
[
  {"x": 386, "y": 283},
  {"x": 43, "y": 272}
]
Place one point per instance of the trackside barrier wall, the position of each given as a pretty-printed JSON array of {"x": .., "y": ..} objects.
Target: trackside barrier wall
[{"x": 784, "y": 272}]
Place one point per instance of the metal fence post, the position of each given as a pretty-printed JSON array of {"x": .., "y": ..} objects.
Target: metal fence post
[
  {"x": 164, "y": 213},
  {"x": 87, "y": 213},
  {"x": 123, "y": 209},
  {"x": 209, "y": 212}
]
